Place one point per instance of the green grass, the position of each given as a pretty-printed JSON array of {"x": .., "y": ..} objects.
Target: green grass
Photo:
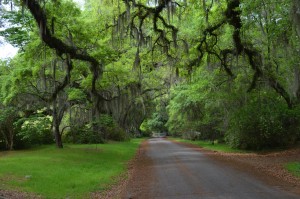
[
  {"x": 294, "y": 168},
  {"x": 72, "y": 172},
  {"x": 208, "y": 145}
]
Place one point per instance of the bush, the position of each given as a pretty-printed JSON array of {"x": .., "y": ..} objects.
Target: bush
[
  {"x": 34, "y": 130},
  {"x": 146, "y": 134},
  {"x": 263, "y": 124},
  {"x": 107, "y": 129},
  {"x": 116, "y": 133},
  {"x": 111, "y": 130},
  {"x": 83, "y": 135}
]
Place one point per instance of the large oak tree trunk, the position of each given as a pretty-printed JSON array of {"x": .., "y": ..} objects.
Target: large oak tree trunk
[
  {"x": 57, "y": 135},
  {"x": 296, "y": 15},
  {"x": 55, "y": 124}
]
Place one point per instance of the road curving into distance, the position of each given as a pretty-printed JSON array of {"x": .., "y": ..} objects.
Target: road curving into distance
[{"x": 180, "y": 172}]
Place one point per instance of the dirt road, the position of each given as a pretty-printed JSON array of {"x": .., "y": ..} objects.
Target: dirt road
[{"x": 167, "y": 170}]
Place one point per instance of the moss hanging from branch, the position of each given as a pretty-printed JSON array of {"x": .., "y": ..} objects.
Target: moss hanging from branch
[
  {"x": 232, "y": 17},
  {"x": 62, "y": 48},
  {"x": 142, "y": 12}
]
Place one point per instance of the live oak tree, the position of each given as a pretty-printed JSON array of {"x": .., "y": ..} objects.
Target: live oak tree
[
  {"x": 50, "y": 87},
  {"x": 209, "y": 64},
  {"x": 53, "y": 87}
]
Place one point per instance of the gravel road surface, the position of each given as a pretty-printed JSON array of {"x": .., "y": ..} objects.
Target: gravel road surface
[{"x": 178, "y": 172}]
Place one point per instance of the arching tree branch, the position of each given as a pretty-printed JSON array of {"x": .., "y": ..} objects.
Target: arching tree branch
[{"x": 61, "y": 48}]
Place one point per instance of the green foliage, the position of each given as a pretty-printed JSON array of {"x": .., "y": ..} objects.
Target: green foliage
[
  {"x": 35, "y": 130},
  {"x": 194, "y": 109},
  {"x": 256, "y": 120},
  {"x": 83, "y": 135},
  {"x": 158, "y": 120},
  {"x": 18, "y": 33},
  {"x": 145, "y": 130},
  {"x": 108, "y": 129},
  {"x": 263, "y": 122},
  {"x": 182, "y": 107},
  {"x": 23, "y": 132},
  {"x": 8, "y": 115},
  {"x": 76, "y": 95},
  {"x": 145, "y": 63}
]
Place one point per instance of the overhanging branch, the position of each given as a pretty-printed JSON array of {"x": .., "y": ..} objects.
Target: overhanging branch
[{"x": 55, "y": 43}]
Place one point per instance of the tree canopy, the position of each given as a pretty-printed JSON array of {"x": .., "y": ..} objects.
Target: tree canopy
[{"x": 113, "y": 69}]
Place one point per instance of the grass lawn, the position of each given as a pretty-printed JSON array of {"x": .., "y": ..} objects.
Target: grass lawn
[
  {"x": 294, "y": 168},
  {"x": 208, "y": 145},
  {"x": 72, "y": 172}
]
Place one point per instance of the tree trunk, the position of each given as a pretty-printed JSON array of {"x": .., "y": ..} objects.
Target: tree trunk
[
  {"x": 55, "y": 125},
  {"x": 8, "y": 143},
  {"x": 95, "y": 114},
  {"x": 11, "y": 140},
  {"x": 57, "y": 136},
  {"x": 296, "y": 15}
]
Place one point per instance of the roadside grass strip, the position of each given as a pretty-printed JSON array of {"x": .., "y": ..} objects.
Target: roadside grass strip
[
  {"x": 72, "y": 172},
  {"x": 294, "y": 168},
  {"x": 221, "y": 147}
]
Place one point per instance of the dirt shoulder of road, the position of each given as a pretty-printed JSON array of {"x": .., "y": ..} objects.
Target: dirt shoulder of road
[
  {"x": 130, "y": 186},
  {"x": 13, "y": 194},
  {"x": 141, "y": 175},
  {"x": 268, "y": 167}
]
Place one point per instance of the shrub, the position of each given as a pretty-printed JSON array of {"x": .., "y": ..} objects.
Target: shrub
[
  {"x": 263, "y": 124},
  {"x": 33, "y": 130},
  {"x": 84, "y": 135},
  {"x": 116, "y": 133},
  {"x": 107, "y": 129},
  {"x": 110, "y": 129}
]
